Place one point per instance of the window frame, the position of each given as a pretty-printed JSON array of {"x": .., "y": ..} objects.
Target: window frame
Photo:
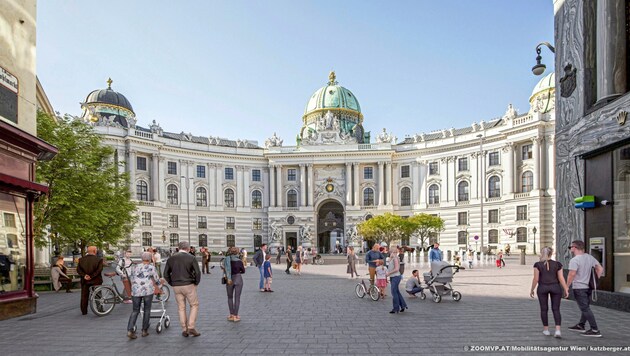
[
  {"x": 230, "y": 223},
  {"x": 463, "y": 196},
  {"x": 462, "y": 218},
  {"x": 257, "y": 224},
  {"x": 230, "y": 240},
  {"x": 147, "y": 239},
  {"x": 202, "y": 222},
  {"x": 292, "y": 198},
  {"x": 368, "y": 173},
  {"x": 494, "y": 192},
  {"x": 405, "y": 196},
  {"x": 256, "y": 175},
  {"x": 171, "y": 167},
  {"x": 228, "y": 197},
  {"x": 496, "y": 161},
  {"x": 256, "y": 200},
  {"x": 291, "y": 174},
  {"x": 462, "y": 164},
  {"x": 173, "y": 221},
  {"x": 521, "y": 213},
  {"x": 228, "y": 173},
  {"x": 142, "y": 190},
  {"x": 201, "y": 171},
  {"x": 434, "y": 168},
  {"x": 368, "y": 197},
  {"x": 173, "y": 239},
  {"x": 405, "y": 171},
  {"x": 434, "y": 199},
  {"x": 201, "y": 199},
  {"x": 146, "y": 218},
  {"x": 172, "y": 194},
  {"x": 493, "y": 216},
  {"x": 143, "y": 166},
  {"x": 527, "y": 151},
  {"x": 527, "y": 182}
]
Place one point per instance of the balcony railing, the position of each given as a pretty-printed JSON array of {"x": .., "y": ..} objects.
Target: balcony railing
[
  {"x": 143, "y": 134},
  {"x": 144, "y": 203},
  {"x": 521, "y": 195}
]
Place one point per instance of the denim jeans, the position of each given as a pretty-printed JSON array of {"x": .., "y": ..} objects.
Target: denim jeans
[
  {"x": 261, "y": 285},
  {"x": 583, "y": 299},
  {"x": 415, "y": 290},
  {"x": 147, "y": 299},
  {"x": 397, "y": 298}
]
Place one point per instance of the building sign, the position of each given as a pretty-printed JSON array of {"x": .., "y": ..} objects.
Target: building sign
[{"x": 8, "y": 95}]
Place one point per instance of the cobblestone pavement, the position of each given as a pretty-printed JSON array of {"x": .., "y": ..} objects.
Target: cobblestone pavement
[{"x": 318, "y": 313}]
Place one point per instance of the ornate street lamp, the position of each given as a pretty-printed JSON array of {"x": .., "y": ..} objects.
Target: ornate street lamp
[
  {"x": 539, "y": 68},
  {"x": 534, "y": 230}
]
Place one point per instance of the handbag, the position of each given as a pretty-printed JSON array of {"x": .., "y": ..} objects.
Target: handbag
[
  {"x": 224, "y": 280},
  {"x": 294, "y": 265}
]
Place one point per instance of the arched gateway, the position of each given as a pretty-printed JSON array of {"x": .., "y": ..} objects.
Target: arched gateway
[{"x": 330, "y": 226}]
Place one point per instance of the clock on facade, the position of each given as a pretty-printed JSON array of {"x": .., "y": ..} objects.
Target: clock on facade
[{"x": 330, "y": 187}]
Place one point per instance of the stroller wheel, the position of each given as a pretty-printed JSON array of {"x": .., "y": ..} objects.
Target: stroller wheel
[
  {"x": 158, "y": 328},
  {"x": 423, "y": 296},
  {"x": 457, "y": 296},
  {"x": 437, "y": 298},
  {"x": 167, "y": 321}
]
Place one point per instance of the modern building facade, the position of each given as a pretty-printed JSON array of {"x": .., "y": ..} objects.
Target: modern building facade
[
  {"x": 593, "y": 137},
  {"x": 494, "y": 179},
  {"x": 20, "y": 98}
]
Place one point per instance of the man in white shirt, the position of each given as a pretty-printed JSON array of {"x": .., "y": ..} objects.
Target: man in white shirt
[{"x": 157, "y": 261}]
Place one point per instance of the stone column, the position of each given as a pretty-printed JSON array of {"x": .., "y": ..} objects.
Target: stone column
[
  {"x": 445, "y": 187},
  {"x": 272, "y": 186},
  {"x": 551, "y": 163},
  {"x": 381, "y": 184},
  {"x": 423, "y": 173},
  {"x": 155, "y": 179},
  {"x": 302, "y": 185},
  {"x": 280, "y": 193},
  {"x": 348, "y": 184},
  {"x": 162, "y": 177},
  {"x": 611, "y": 49},
  {"x": 508, "y": 161},
  {"x": 311, "y": 184},
  {"x": 266, "y": 186},
  {"x": 355, "y": 184},
  {"x": 536, "y": 153},
  {"x": 131, "y": 167},
  {"x": 388, "y": 184},
  {"x": 246, "y": 193},
  {"x": 415, "y": 183},
  {"x": 393, "y": 173},
  {"x": 219, "y": 185}
]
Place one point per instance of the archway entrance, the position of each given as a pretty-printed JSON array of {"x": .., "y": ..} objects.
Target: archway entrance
[{"x": 330, "y": 227}]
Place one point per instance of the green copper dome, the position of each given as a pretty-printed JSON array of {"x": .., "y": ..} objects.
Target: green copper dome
[{"x": 332, "y": 96}]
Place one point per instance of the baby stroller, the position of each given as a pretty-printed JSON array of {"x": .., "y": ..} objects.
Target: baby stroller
[
  {"x": 159, "y": 313},
  {"x": 439, "y": 280}
]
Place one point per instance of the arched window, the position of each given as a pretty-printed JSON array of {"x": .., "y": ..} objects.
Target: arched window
[
  {"x": 434, "y": 194},
  {"x": 203, "y": 240},
  {"x": 462, "y": 238},
  {"x": 405, "y": 196},
  {"x": 202, "y": 197},
  {"x": 292, "y": 199},
  {"x": 142, "y": 191},
  {"x": 493, "y": 236},
  {"x": 368, "y": 197},
  {"x": 174, "y": 239},
  {"x": 171, "y": 194},
  {"x": 256, "y": 199},
  {"x": 527, "y": 182},
  {"x": 462, "y": 191},
  {"x": 146, "y": 239},
  {"x": 521, "y": 234},
  {"x": 229, "y": 198},
  {"x": 494, "y": 187}
]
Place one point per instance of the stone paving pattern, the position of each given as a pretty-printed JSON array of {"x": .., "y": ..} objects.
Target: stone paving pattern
[{"x": 318, "y": 313}]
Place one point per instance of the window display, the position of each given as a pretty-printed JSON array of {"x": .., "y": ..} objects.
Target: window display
[{"x": 12, "y": 243}]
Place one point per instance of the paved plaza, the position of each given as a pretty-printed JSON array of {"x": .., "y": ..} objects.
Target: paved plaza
[{"x": 318, "y": 314}]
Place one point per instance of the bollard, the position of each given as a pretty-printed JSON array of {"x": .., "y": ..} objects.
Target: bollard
[
  {"x": 523, "y": 256},
  {"x": 448, "y": 255}
]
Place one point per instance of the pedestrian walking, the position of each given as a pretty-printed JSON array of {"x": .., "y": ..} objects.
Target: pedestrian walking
[
  {"x": 233, "y": 268},
  {"x": 89, "y": 268},
  {"x": 399, "y": 304},
  {"x": 499, "y": 258},
  {"x": 157, "y": 261},
  {"x": 205, "y": 260},
  {"x": 582, "y": 268},
  {"x": 259, "y": 259},
  {"x": 469, "y": 258},
  {"x": 279, "y": 255},
  {"x": 59, "y": 275},
  {"x": 352, "y": 263},
  {"x": 244, "y": 256},
  {"x": 268, "y": 273},
  {"x": 182, "y": 273},
  {"x": 549, "y": 278},
  {"x": 289, "y": 259},
  {"x": 298, "y": 260},
  {"x": 144, "y": 279}
]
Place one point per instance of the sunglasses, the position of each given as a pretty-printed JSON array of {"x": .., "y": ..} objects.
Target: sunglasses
[{"x": 570, "y": 247}]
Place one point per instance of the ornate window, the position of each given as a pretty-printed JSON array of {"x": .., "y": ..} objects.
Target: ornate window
[
  {"x": 292, "y": 174},
  {"x": 494, "y": 187},
  {"x": 462, "y": 218},
  {"x": 493, "y": 236},
  {"x": 257, "y": 241},
  {"x": 493, "y": 159},
  {"x": 521, "y": 234},
  {"x": 462, "y": 191},
  {"x": 493, "y": 216},
  {"x": 172, "y": 195},
  {"x": 368, "y": 173},
  {"x": 462, "y": 238},
  {"x": 434, "y": 194},
  {"x": 256, "y": 199},
  {"x": 404, "y": 171},
  {"x": 142, "y": 191},
  {"x": 368, "y": 197},
  {"x": 201, "y": 171},
  {"x": 174, "y": 240},
  {"x": 405, "y": 196},
  {"x": 146, "y": 239},
  {"x": 292, "y": 199},
  {"x": 527, "y": 182},
  {"x": 526, "y": 152},
  {"x": 462, "y": 164},
  {"x": 202, "y": 197},
  {"x": 173, "y": 221},
  {"x": 230, "y": 240},
  {"x": 171, "y": 167},
  {"x": 203, "y": 240},
  {"x": 434, "y": 168},
  {"x": 146, "y": 219},
  {"x": 229, "y": 198}
]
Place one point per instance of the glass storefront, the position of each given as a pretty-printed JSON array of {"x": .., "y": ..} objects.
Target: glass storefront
[
  {"x": 12, "y": 243},
  {"x": 621, "y": 219}
]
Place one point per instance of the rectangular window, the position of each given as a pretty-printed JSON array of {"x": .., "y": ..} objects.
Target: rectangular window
[
  {"x": 462, "y": 164},
  {"x": 172, "y": 167},
  {"x": 230, "y": 240},
  {"x": 174, "y": 239},
  {"x": 229, "y": 223},
  {"x": 493, "y": 159},
  {"x": 173, "y": 221},
  {"x": 521, "y": 212},
  {"x": 9, "y": 220},
  {"x": 202, "y": 222},
  {"x": 146, "y": 239},
  {"x": 256, "y": 175},
  {"x": 526, "y": 152},
  {"x": 404, "y": 172},
  {"x": 229, "y": 173},
  {"x": 493, "y": 216},
  {"x": 433, "y": 168},
  {"x": 141, "y": 163},
  {"x": 291, "y": 174},
  {"x": 146, "y": 219},
  {"x": 462, "y": 218},
  {"x": 257, "y": 224},
  {"x": 368, "y": 173},
  {"x": 201, "y": 171}
]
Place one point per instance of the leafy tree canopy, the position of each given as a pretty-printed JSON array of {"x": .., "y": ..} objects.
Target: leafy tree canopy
[
  {"x": 427, "y": 225},
  {"x": 387, "y": 228}
]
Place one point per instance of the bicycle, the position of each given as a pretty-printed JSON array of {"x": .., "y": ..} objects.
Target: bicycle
[
  {"x": 361, "y": 290},
  {"x": 104, "y": 298},
  {"x": 319, "y": 259}
]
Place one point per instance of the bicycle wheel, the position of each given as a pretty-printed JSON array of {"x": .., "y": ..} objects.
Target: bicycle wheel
[
  {"x": 102, "y": 300},
  {"x": 359, "y": 290},
  {"x": 320, "y": 261},
  {"x": 375, "y": 294},
  {"x": 166, "y": 292}
]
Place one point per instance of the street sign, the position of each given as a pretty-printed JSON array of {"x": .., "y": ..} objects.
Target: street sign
[{"x": 476, "y": 237}]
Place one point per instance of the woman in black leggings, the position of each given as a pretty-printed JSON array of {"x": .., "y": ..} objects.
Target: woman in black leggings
[
  {"x": 233, "y": 268},
  {"x": 550, "y": 280}
]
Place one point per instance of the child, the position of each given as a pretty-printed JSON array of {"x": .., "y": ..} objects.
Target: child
[
  {"x": 469, "y": 258},
  {"x": 268, "y": 273},
  {"x": 499, "y": 258},
  {"x": 458, "y": 262},
  {"x": 381, "y": 277}
]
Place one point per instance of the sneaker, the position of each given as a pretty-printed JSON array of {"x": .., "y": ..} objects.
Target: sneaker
[
  {"x": 145, "y": 333},
  {"x": 557, "y": 334},
  {"x": 578, "y": 328},
  {"x": 592, "y": 333},
  {"x": 131, "y": 335},
  {"x": 127, "y": 301},
  {"x": 193, "y": 332},
  {"x": 546, "y": 333}
]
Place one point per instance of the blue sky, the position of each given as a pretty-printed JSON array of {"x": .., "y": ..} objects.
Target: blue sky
[{"x": 245, "y": 69}]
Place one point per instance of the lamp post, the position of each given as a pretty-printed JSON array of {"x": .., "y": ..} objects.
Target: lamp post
[
  {"x": 534, "y": 230},
  {"x": 539, "y": 68},
  {"x": 482, "y": 181},
  {"x": 188, "y": 205}
]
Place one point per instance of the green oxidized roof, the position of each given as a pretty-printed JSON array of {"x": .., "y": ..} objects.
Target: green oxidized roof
[
  {"x": 547, "y": 83},
  {"x": 332, "y": 96}
]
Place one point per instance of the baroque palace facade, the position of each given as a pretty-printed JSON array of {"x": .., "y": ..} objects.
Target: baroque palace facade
[{"x": 217, "y": 192}]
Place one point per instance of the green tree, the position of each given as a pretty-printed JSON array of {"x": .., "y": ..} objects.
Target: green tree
[
  {"x": 387, "y": 228},
  {"x": 89, "y": 199},
  {"x": 427, "y": 225}
]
